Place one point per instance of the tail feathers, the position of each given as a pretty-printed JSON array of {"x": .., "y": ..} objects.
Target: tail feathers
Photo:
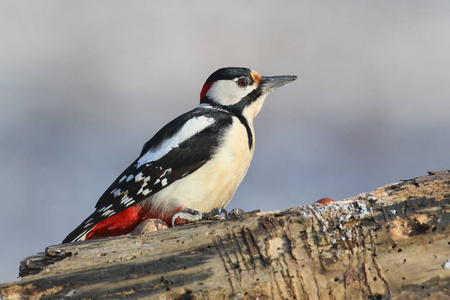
[{"x": 79, "y": 234}]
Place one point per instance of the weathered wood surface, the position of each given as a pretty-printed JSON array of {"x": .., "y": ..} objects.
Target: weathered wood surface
[{"x": 392, "y": 243}]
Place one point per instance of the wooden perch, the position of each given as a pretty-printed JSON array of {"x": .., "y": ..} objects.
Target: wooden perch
[{"x": 392, "y": 243}]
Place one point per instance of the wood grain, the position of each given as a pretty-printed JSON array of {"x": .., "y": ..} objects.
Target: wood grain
[{"x": 392, "y": 243}]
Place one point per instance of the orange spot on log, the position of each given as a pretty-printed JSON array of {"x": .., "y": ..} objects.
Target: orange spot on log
[{"x": 325, "y": 201}]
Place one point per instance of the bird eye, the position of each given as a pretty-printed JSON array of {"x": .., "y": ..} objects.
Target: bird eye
[{"x": 243, "y": 81}]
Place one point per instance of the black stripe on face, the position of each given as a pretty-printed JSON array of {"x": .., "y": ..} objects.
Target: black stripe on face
[
  {"x": 238, "y": 108},
  {"x": 246, "y": 101}
]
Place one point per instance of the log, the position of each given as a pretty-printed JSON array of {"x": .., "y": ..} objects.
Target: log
[{"x": 391, "y": 243}]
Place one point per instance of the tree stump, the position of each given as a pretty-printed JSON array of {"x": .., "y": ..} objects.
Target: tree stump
[{"x": 391, "y": 243}]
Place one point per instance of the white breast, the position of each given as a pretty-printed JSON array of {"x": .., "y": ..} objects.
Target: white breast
[{"x": 214, "y": 184}]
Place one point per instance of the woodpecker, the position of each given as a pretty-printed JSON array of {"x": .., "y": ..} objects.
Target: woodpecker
[{"x": 193, "y": 164}]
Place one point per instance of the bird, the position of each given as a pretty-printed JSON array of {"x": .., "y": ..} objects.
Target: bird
[{"x": 192, "y": 165}]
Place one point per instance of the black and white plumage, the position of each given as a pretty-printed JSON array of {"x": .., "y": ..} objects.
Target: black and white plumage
[{"x": 196, "y": 161}]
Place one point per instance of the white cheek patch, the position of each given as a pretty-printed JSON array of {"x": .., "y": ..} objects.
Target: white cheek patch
[
  {"x": 189, "y": 129},
  {"x": 227, "y": 92}
]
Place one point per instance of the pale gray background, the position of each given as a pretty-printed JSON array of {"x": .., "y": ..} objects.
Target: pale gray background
[{"x": 84, "y": 84}]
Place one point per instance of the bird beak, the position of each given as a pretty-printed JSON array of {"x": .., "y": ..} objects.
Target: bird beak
[{"x": 270, "y": 83}]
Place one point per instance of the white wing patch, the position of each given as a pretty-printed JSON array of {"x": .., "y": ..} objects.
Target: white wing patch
[
  {"x": 189, "y": 129},
  {"x": 142, "y": 188},
  {"x": 123, "y": 178},
  {"x": 108, "y": 213},
  {"x": 146, "y": 191},
  {"x": 127, "y": 201},
  {"x": 116, "y": 192},
  {"x": 139, "y": 177},
  {"x": 105, "y": 208}
]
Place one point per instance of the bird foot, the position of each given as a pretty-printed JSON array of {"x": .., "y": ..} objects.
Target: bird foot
[
  {"x": 235, "y": 213},
  {"x": 150, "y": 225},
  {"x": 215, "y": 212},
  {"x": 191, "y": 215}
]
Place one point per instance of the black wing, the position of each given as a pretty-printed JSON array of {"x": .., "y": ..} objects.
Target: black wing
[{"x": 140, "y": 181}]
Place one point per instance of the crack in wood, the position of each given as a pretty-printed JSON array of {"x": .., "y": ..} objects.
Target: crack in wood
[{"x": 360, "y": 248}]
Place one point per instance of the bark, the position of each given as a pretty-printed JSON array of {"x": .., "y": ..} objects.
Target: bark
[{"x": 391, "y": 243}]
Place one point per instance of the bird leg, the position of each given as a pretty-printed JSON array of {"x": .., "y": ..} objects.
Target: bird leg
[{"x": 191, "y": 215}]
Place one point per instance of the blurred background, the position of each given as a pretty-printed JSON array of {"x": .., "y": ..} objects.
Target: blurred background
[{"x": 84, "y": 84}]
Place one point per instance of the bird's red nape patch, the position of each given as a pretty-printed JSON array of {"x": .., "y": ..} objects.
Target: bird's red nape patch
[{"x": 205, "y": 89}]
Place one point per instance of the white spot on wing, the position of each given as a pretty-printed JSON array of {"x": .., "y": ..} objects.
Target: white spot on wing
[
  {"x": 108, "y": 213},
  {"x": 190, "y": 128},
  {"x": 146, "y": 191},
  {"x": 123, "y": 178},
  {"x": 164, "y": 182},
  {"x": 130, "y": 177},
  {"x": 105, "y": 208},
  {"x": 166, "y": 172},
  {"x": 88, "y": 223},
  {"x": 127, "y": 201},
  {"x": 139, "y": 177},
  {"x": 116, "y": 192}
]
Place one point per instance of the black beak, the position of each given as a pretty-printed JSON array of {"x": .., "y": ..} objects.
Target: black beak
[{"x": 270, "y": 83}]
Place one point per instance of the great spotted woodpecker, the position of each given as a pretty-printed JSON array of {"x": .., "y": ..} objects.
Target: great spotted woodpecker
[{"x": 194, "y": 163}]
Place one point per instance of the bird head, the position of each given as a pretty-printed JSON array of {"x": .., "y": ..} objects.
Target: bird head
[{"x": 240, "y": 90}]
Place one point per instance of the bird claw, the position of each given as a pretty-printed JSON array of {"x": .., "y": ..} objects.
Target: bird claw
[
  {"x": 235, "y": 213},
  {"x": 191, "y": 215},
  {"x": 187, "y": 214},
  {"x": 215, "y": 212}
]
